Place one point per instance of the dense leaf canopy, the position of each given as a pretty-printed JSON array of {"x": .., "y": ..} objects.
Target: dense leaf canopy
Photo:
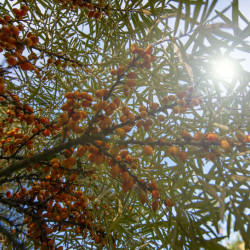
[{"x": 116, "y": 131}]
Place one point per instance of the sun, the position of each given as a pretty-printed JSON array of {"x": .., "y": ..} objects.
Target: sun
[{"x": 224, "y": 69}]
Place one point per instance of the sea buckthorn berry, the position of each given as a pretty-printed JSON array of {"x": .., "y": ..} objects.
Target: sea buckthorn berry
[
  {"x": 121, "y": 70},
  {"x": 91, "y": 14},
  {"x": 148, "y": 122},
  {"x": 131, "y": 83},
  {"x": 112, "y": 106},
  {"x": 113, "y": 72},
  {"x": 183, "y": 156},
  {"x": 117, "y": 101},
  {"x": 24, "y": 8},
  {"x": 115, "y": 171},
  {"x": 96, "y": 107},
  {"x": 181, "y": 94},
  {"x": 99, "y": 93},
  {"x": 143, "y": 114},
  {"x": 142, "y": 108},
  {"x": 155, "y": 205},
  {"x": 134, "y": 48},
  {"x": 153, "y": 186},
  {"x": 212, "y": 137},
  {"x": 181, "y": 102},
  {"x": 165, "y": 99},
  {"x": 173, "y": 151},
  {"x": 147, "y": 58},
  {"x": 131, "y": 117},
  {"x": 98, "y": 15},
  {"x": 125, "y": 110},
  {"x": 194, "y": 102},
  {"x": 171, "y": 98},
  {"x": 26, "y": 66},
  {"x": 156, "y": 194},
  {"x": 225, "y": 144},
  {"x": 161, "y": 118},
  {"x": 176, "y": 110},
  {"x": 154, "y": 106},
  {"x": 28, "y": 42},
  {"x": 247, "y": 138},
  {"x": 168, "y": 203},
  {"x": 125, "y": 175},
  {"x": 141, "y": 52},
  {"x": 121, "y": 132},
  {"x": 81, "y": 151},
  {"x": 140, "y": 123},
  {"x": 132, "y": 75},
  {"x": 185, "y": 135},
  {"x": 198, "y": 136},
  {"x": 12, "y": 60}
]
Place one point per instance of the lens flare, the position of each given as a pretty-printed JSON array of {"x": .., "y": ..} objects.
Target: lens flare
[{"x": 224, "y": 69}]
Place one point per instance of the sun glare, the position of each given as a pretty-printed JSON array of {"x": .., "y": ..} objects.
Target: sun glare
[{"x": 224, "y": 69}]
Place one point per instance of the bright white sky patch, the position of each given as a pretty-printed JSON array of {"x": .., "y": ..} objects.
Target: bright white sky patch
[{"x": 224, "y": 69}]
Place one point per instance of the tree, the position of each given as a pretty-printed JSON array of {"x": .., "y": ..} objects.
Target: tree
[{"x": 115, "y": 133}]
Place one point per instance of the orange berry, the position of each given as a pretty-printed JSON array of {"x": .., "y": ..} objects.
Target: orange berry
[
  {"x": 120, "y": 131},
  {"x": 115, "y": 171},
  {"x": 212, "y": 137},
  {"x": 123, "y": 118},
  {"x": 161, "y": 118},
  {"x": 12, "y": 60},
  {"x": 168, "y": 203},
  {"x": 26, "y": 66},
  {"x": 140, "y": 124},
  {"x": 247, "y": 138},
  {"x": 183, "y": 156},
  {"x": 153, "y": 186},
  {"x": 46, "y": 132},
  {"x": 154, "y": 106},
  {"x": 132, "y": 75},
  {"x": 156, "y": 194},
  {"x": 185, "y": 135},
  {"x": 181, "y": 94},
  {"x": 171, "y": 98},
  {"x": 198, "y": 136},
  {"x": 81, "y": 151},
  {"x": 24, "y": 8},
  {"x": 91, "y": 14},
  {"x": 28, "y": 42},
  {"x": 125, "y": 175},
  {"x": 155, "y": 205},
  {"x": 131, "y": 117},
  {"x": 100, "y": 158},
  {"x": 173, "y": 151},
  {"x": 148, "y": 150},
  {"x": 98, "y": 15},
  {"x": 113, "y": 72},
  {"x": 225, "y": 144},
  {"x": 134, "y": 48},
  {"x": 117, "y": 101},
  {"x": 70, "y": 161},
  {"x": 147, "y": 58},
  {"x": 121, "y": 70},
  {"x": 142, "y": 108},
  {"x": 125, "y": 110},
  {"x": 143, "y": 114},
  {"x": 131, "y": 83}
]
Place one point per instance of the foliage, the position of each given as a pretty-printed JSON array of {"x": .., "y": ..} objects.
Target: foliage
[{"x": 115, "y": 133}]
